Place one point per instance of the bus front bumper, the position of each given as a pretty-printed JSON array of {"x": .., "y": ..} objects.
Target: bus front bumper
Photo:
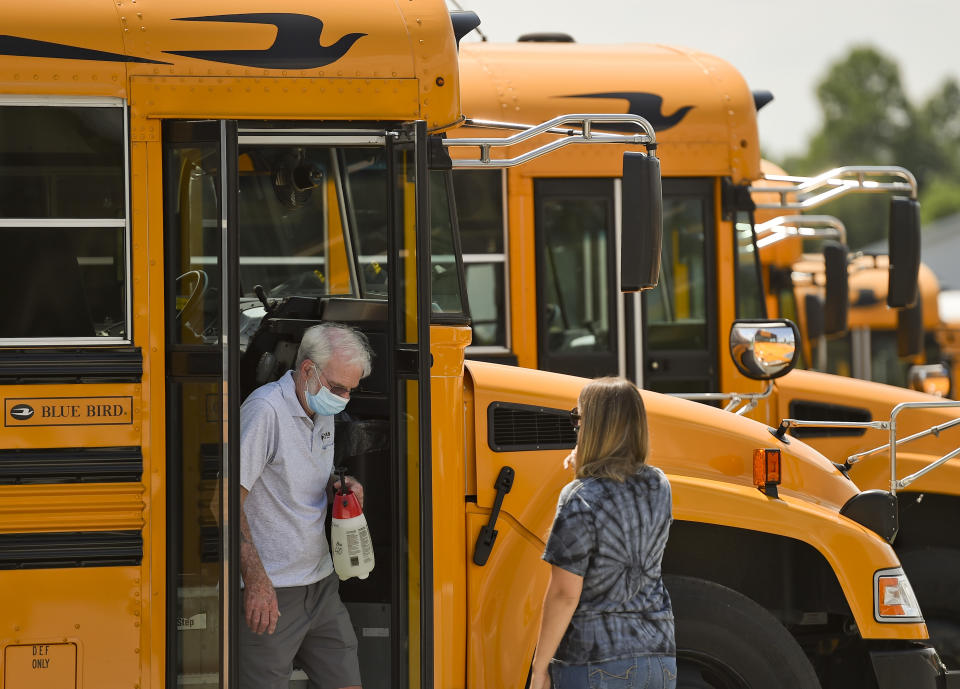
[{"x": 913, "y": 668}]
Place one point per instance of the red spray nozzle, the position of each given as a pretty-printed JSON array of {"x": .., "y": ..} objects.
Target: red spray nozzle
[{"x": 346, "y": 505}]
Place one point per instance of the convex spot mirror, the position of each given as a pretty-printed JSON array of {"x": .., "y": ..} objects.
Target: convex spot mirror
[
  {"x": 933, "y": 379},
  {"x": 764, "y": 349},
  {"x": 641, "y": 222},
  {"x": 904, "y": 252}
]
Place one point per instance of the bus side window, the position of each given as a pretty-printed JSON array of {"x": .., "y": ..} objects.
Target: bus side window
[
  {"x": 63, "y": 224},
  {"x": 444, "y": 273},
  {"x": 479, "y": 196}
]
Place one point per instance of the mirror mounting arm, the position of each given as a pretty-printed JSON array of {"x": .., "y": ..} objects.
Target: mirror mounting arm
[{"x": 781, "y": 432}]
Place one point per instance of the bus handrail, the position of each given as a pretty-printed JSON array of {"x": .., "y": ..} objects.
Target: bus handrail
[
  {"x": 580, "y": 134},
  {"x": 807, "y": 226},
  {"x": 835, "y": 183},
  {"x": 892, "y": 444},
  {"x": 933, "y": 430}
]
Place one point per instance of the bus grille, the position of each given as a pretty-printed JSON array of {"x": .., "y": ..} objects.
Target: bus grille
[{"x": 522, "y": 427}]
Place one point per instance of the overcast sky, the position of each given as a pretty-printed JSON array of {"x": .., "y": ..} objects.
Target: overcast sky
[{"x": 784, "y": 47}]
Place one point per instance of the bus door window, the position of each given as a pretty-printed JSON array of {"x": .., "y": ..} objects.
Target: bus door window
[
  {"x": 192, "y": 197},
  {"x": 575, "y": 276},
  {"x": 749, "y": 283},
  {"x": 63, "y": 222},
  {"x": 479, "y": 197},
  {"x": 676, "y": 309},
  {"x": 839, "y": 354},
  {"x": 367, "y": 204},
  {"x": 886, "y": 366},
  {"x": 787, "y": 308},
  {"x": 680, "y": 314}
]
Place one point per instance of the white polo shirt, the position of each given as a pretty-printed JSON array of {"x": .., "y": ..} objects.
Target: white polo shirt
[{"x": 286, "y": 460}]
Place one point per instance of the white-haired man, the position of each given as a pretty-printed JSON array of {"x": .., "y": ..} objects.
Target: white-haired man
[{"x": 291, "y": 601}]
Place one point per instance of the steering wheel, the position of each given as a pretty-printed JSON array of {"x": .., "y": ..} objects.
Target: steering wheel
[{"x": 198, "y": 290}]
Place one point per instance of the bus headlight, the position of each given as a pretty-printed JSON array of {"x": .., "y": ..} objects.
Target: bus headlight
[{"x": 893, "y": 597}]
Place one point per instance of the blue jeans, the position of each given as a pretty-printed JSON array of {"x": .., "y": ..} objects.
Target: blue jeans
[{"x": 639, "y": 672}]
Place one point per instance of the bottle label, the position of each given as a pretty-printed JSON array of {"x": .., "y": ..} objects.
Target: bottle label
[
  {"x": 366, "y": 547},
  {"x": 352, "y": 548}
]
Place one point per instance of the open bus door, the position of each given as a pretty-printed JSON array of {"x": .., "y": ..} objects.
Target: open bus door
[{"x": 337, "y": 221}]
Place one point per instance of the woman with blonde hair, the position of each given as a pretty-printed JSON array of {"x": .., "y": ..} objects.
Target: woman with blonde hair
[{"x": 607, "y": 620}]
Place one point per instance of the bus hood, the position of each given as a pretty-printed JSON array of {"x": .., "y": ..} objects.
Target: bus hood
[
  {"x": 686, "y": 438},
  {"x": 820, "y": 396}
]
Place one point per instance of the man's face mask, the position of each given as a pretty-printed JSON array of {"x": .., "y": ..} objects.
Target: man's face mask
[{"x": 323, "y": 401}]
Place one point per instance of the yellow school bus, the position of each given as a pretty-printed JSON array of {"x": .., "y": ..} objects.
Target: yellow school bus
[
  {"x": 870, "y": 341},
  {"x": 947, "y": 337},
  {"x": 898, "y": 348},
  {"x": 540, "y": 248},
  {"x": 908, "y": 347},
  {"x": 183, "y": 193},
  {"x": 856, "y": 335}
]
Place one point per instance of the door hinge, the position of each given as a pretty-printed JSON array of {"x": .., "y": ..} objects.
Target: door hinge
[
  {"x": 439, "y": 157},
  {"x": 407, "y": 361},
  {"x": 488, "y": 534}
]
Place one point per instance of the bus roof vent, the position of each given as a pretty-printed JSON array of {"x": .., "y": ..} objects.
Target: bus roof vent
[
  {"x": 522, "y": 427},
  {"x": 546, "y": 37}
]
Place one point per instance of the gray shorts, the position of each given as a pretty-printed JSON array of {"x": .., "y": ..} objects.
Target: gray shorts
[{"x": 314, "y": 633}]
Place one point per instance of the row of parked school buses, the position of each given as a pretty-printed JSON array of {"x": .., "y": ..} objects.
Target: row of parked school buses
[
  {"x": 182, "y": 194},
  {"x": 544, "y": 296}
]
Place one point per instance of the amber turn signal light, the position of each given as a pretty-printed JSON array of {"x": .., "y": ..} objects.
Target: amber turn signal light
[
  {"x": 894, "y": 599},
  {"x": 766, "y": 470}
]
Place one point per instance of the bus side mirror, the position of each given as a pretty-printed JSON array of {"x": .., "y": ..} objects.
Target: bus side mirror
[
  {"x": 814, "y": 313},
  {"x": 764, "y": 349},
  {"x": 641, "y": 222},
  {"x": 910, "y": 330},
  {"x": 837, "y": 298},
  {"x": 904, "y": 252}
]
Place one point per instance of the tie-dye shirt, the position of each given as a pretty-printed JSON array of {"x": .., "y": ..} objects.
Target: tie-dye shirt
[{"x": 613, "y": 535}]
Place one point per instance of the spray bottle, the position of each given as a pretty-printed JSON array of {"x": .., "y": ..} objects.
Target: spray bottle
[{"x": 350, "y": 542}]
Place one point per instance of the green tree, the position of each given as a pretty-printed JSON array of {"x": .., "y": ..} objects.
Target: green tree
[
  {"x": 940, "y": 117},
  {"x": 939, "y": 199},
  {"x": 869, "y": 120}
]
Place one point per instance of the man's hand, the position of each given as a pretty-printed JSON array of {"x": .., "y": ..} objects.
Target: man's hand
[
  {"x": 260, "y": 606},
  {"x": 259, "y": 597},
  {"x": 353, "y": 485}
]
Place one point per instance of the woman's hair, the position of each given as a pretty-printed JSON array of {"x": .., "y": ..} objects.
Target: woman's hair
[{"x": 613, "y": 441}]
